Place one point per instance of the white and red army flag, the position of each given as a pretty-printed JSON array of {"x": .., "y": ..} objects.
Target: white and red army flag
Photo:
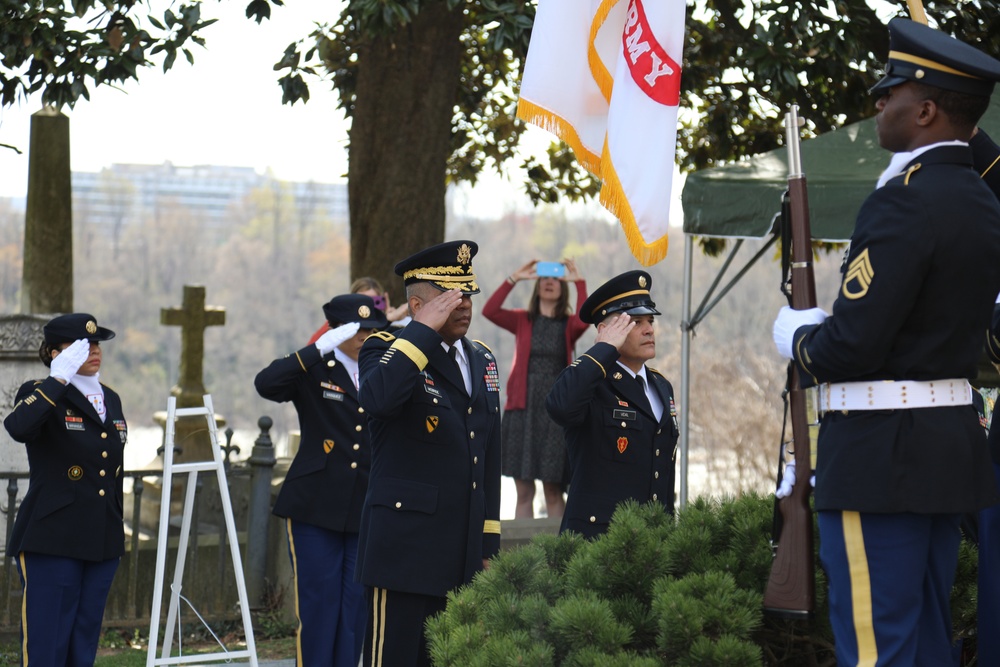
[{"x": 605, "y": 76}]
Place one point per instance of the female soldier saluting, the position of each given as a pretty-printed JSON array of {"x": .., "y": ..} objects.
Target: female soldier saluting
[{"x": 68, "y": 536}]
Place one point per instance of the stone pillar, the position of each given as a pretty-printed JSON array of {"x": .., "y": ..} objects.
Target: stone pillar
[
  {"x": 47, "y": 285},
  {"x": 259, "y": 513}
]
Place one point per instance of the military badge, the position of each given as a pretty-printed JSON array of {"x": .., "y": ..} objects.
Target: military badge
[
  {"x": 364, "y": 312},
  {"x": 328, "y": 446},
  {"x": 617, "y": 376},
  {"x": 91, "y": 327},
  {"x": 622, "y": 403},
  {"x": 622, "y": 445},
  {"x": 642, "y": 281},
  {"x": 74, "y": 423},
  {"x": 858, "y": 277},
  {"x": 464, "y": 254},
  {"x": 432, "y": 423},
  {"x": 75, "y": 473}
]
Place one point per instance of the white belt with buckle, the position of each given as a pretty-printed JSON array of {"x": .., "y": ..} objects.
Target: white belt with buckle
[{"x": 894, "y": 395}]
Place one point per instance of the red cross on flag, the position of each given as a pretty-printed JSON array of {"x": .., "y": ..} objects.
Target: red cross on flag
[{"x": 605, "y": 76}]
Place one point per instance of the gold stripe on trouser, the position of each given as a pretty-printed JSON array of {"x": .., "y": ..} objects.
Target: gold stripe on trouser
[
  {"x": 379, "y": 598},
  {"x": 861, "y": 589},
  {"x": 24, "y": 611},
  {"x": 295, "y": 583}
]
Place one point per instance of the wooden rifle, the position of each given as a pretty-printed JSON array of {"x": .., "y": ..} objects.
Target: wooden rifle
[{"x": 791, "y": 588}]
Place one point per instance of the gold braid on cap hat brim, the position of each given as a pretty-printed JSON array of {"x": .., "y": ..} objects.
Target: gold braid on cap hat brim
[{"x": 453, "y": 276}]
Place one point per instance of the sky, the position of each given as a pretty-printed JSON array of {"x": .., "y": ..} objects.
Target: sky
[{"x": 223, "y": 110}]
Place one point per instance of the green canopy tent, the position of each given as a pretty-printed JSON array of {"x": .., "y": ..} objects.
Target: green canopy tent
[{"x": 741, "y": 201}]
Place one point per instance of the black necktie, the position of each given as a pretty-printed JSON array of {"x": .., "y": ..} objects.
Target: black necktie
[
  {"x": 453, "y": 353},
  {"x": 642, "y": 390}
]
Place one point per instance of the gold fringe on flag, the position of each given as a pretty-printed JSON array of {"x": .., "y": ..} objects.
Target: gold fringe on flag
[{"x": 613, "y": 198}]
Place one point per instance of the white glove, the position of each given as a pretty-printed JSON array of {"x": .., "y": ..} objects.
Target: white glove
[
  {"x": 788, "y": 321},
  {"x": 334, "y": 337},
  {"x": 788, "y": 481},
  {"x": 68, "y": 362}
]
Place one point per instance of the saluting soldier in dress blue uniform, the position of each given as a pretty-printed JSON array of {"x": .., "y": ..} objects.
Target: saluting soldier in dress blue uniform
[
  {"x": 618, "y": 415},
  {"x": 432, "y": 515},
  {"x": 901, "y": 453},
  {"x": 68, "y": 537},
  {"x": 324, "y": 490}
]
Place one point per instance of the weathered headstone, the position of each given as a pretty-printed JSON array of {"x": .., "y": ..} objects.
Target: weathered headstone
[{"x": 193, "y": 317}]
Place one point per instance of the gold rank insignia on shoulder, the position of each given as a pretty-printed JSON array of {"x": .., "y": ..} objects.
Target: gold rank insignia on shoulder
[
  {"x": 383, "y": 335},
  {"x": 858, "y": 277}
]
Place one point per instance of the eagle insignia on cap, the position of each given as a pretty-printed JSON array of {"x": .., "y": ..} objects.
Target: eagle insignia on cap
[
  {"x": 364, "y": 312},
  {"x": 464, "y": 254},
  {"x": 642, "y": 281},
  {"x": 91, "y": 327}
]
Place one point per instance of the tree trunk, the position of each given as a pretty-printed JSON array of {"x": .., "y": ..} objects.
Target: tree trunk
[{"x": 400, "y": 141}]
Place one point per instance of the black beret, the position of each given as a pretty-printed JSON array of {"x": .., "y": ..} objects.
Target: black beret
[
  {"x": 920, "y": 53},
  {"x": 628, "y": 292},
  {"x": 73, "y": 327},
  {"x": 445, "y": 266},
  {"x": 359, "y": 308}
]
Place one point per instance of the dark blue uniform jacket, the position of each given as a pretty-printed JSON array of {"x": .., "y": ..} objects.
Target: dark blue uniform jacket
[
  {"x": 617, "y": 449},
  {"x": 908, "y": 310},
  {"x": 327, "y": 481},
  {"x": 73, "y": 507},
  {"x": 433, "y": 508}
]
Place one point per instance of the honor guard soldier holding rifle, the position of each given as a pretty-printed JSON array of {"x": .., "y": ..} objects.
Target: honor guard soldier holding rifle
[
  {"x": 901, "y": 453},
  {"x": 618, "y": 415},
  {"x": 68, "y": 537},
  {"x": 324, "y": 490},
  {"x": 432, "y": 516}
]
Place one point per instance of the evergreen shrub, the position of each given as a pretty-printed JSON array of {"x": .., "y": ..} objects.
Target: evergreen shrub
[{"x": 654, "y": 591}]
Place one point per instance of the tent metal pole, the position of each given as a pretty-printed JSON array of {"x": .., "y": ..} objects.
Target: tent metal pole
[{"x": 686, "y": 329}]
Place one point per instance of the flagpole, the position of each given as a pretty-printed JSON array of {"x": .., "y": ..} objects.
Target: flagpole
[{"x": 917, "y": 11}]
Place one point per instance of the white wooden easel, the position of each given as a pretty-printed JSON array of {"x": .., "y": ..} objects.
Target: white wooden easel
[{"x": 173, "y": 612}]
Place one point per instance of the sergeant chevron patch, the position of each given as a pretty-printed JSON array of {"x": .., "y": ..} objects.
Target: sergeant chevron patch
[{"x": 858, "y": 277}]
